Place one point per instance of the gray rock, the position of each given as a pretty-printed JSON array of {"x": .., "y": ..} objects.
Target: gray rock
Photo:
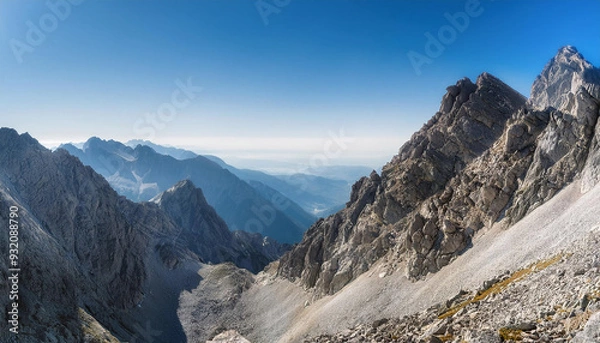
[{"x": 591, "y": 331}]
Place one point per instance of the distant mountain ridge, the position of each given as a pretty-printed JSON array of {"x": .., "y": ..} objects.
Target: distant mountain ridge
[
  {"x": 141, "y": 173},
  {"x": 320, "y": 193},
  {"x": 180, "y": 154},
  {"x": 317, "y": 195}
]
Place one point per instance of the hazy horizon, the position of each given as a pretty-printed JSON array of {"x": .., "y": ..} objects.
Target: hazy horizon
[{"x": 269, "y": 160}]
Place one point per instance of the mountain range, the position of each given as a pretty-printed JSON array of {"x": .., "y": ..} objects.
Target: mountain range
[
  {"x": 320, "y": 193},
  {"x": 141, "y": 173},
  {"x": 88, "y": 254},
  {"x": 484, "y": 228}
]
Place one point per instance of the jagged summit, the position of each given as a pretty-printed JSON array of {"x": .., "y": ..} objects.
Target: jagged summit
[
  {"x": 183, "y": 185},
  {"x": 486, "y": 160},
  {"x": 487, "y": 155},
  {"x": 184, "y": 192},
  {"x": 338, "y": 249},
  {"x": 10, "y": 136},
  {"x": 207, "y": 234},
  {"x": 566, "y": 75},
  {"x": 187, "y": 203}
]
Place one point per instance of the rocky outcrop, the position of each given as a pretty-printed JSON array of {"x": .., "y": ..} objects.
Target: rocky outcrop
[
  {"x": 487, "y": 156},
  {"x": 566, "y": 77},
  {"x": 230, "y": 336},
  {"x": 338, "y": 249},
  {"x": 569, "y": 90}
]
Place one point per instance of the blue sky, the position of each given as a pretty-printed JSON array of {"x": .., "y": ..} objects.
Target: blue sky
[{"x": 275, "y": 84}]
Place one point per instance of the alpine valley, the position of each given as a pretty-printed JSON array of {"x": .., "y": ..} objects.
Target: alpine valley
[{"x": 484, "y": 228}]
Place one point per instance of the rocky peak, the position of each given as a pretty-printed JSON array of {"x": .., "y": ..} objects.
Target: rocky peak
[
  {"x": 205, "y": 233},
  {"x": 189, "y": 209},
  {"x": 338, "y": 249},
  {"x": 457, "y": 94},
  {"x": 567, "y": 74},
  {"x": 184, "y": 190},
  {"x": 10, "y": 138}
]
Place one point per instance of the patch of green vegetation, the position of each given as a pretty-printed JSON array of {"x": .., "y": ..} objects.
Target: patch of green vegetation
[
  {"x": 502, "y": 285},
  {"x": 508, "y": 334},
  {"x": 446, "y": 338}
]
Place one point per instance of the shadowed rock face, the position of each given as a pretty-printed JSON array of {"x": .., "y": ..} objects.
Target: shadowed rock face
[
  {"x": 77, "y": 248},
  {"x": 207, "y": 235},
  {"x": 488, "y": 155}
]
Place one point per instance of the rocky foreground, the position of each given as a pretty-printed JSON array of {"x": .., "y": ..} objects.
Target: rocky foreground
[{"x": 556, "y": 299}]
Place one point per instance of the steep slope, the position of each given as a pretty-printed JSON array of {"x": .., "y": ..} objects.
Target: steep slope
[
  {"x": 141, "y": 173},
  {"x": 336, "y": 250},
  {"x": 553, "y": 299},
  {"x": 63, "y": 206},
  {"x": 568, "y": 87}
]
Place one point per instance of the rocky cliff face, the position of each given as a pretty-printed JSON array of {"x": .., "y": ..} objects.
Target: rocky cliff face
[
  {"x": 569, "y": 90},
  {"x": 341, "y": 247},
  {"x": 77, "y": 248},
  {"x": 488, "y": 155}
]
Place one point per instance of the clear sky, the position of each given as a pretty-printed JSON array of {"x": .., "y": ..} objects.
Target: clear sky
[{"x": 267, "y": 79}]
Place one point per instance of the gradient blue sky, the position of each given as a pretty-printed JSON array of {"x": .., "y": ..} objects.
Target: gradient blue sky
[{"x": 271, "y": 90}]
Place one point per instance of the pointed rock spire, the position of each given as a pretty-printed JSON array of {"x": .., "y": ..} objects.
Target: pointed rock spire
[{"x": 563, "y": 77}]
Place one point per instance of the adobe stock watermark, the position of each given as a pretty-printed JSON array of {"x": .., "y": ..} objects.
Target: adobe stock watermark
[
  {"x": 14, "y": 269},
  {"x": 147, "y": 125},
  {"x": 436, "y": 44},
  {"x": 38, "y": 31},
  {"x": 266, "y": 8},
  {"x": 264, "y": 216}
]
